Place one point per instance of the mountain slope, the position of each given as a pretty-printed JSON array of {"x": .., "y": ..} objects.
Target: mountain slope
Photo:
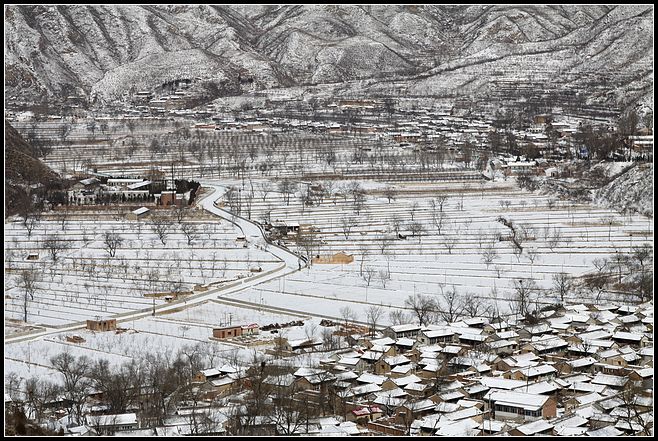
[
  {"x": 107, "y": 50},
  {"x": 22, "y": 169}
]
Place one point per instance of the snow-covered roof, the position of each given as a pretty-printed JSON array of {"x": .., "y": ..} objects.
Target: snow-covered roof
[
  {"x": 385, "y": 341},
  {"x": 542, "y": 387},
  {"x": 137, "y": 185},
  {"x": 533, "y": 371},
  {"x": 534, "y": 427},
  {"x": 403, "y": 381},
  {"x": 580, "y": 362},
  {"x": 210, "y": 372},
  {"x": 141, "y": 210},
  {"x": 501, "y": 383},
  {"x": 402, "y": 368},
  {"x": 371, "y": 378},
  {"x": 609, "y": 380},
  {"x": 348, "y": 361},
  {"x": 223, "y": 381},
  {"x": 280, "y": 380},
  {"x": 405, "y": 327},
  {"x": 581, "y": 386},
  {"x": 360, "y": 390},
  {"x": 396, "y": 360},
  {"x": 632, "y": 336},
  {"x": 418, "y": 387},
  {"x": 605, "y": 432},
  {"x": 113, "y": 420},
  {"x": 405, "y": 341},
  {"x": 589, "y": 398},
  {"x": 517, "y": 399}
]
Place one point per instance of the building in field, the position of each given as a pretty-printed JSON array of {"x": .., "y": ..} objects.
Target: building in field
[
  {"x": 227, "y": 332},
  {"x": 102, "y": 325},
  {"x": 335, "y": 259},
  {"x": 138, "y": 214}
]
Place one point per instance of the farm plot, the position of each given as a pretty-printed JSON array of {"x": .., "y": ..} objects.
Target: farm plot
[
  {"x": 215, "y": 313},
  {"x": 74, "y": 276},
  {"x": 414, "y": 243},
  {"x": 154, "y": 336}
]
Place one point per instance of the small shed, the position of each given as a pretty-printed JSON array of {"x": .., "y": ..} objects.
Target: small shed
[
  {"x": 138, "y": 214},
  {"x": 336, "y": 259},
  {"x": 227, "y": 332},
  {"x": 102, "y": 325}
]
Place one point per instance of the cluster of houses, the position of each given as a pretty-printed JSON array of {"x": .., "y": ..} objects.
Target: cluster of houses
[
  {"x": 95, "y": 190},
  {"x": 584, "y": 370}
]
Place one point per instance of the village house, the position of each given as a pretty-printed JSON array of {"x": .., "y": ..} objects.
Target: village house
[
  {"x": 399, "y": 331},
  {"x": 110, "y": 424},
  {"x": 85, "y": 192},
  {"x": 138, "y": 214},
  {"x": 385, "y": 364},
  {"x": 520, "y": 406},
  {"x": 434, "y": 336}
]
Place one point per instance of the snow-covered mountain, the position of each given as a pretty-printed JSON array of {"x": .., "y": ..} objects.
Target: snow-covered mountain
[{"x": 420, "y": 50}]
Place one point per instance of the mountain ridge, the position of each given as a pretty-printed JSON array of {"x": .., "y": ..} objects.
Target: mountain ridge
[{"x": 97, "y": 50}]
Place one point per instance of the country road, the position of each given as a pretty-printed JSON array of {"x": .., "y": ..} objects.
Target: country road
[{"x": 290, "y": 263}]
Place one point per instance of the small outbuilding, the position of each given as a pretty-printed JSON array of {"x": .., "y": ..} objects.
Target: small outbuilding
[
  {"x": 138, "y": 214},
  {"x": 336, "y": 259},
  {"x": 102, "y": 325},
  {"x": 227, "y": 332}
]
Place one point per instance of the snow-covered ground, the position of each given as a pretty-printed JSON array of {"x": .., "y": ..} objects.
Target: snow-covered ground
[
  {"x": 86, "y": 282},
  {"x": 565, "y": 238}
]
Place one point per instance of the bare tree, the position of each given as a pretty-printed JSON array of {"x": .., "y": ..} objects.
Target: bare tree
[
  {"x": 384, "y": 276},
  {"x": 554, "y": 239},
  {"x": 524, "y": 292},
  {"x": 76, "y": 383},
  {"x": 373, "y": 314},
  {"x": 449, "y": 242},
  {"x": 347, "y": 223},
  {"x": 287, "y": 188},
  {"x": 112, "y": 241},
  {"x": 190, "y": 230},
  {"x": 30, "y": 214},
  {"x": 38, "y": 394},
  {"x": 416, "y": 229},
  {"x": 55, "y": 246},
  {"x": 398, "y": 317},
  {"x": 265, "y": 188},
  {"x": 160, "y": 226},
  {"x": 390, "y": 193},
  {"x": 367, "y": 274},
  {"x": 347, "y": 314},
  {"x": 413, "y": 209},
  {"x": 396, "y": 224},
  {"x": 640, "y": 422},
  {"x": 180, "y": 213},
  {"x": 561, "y": 285},
  {"x": 28, "y": 283},
  {"x": 489, "y": 254},
  {"x": 423, "y": 306},
  {"x": 452, "y": 305}
]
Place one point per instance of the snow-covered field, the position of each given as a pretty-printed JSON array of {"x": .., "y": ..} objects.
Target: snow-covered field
[
  {"x": 86, "y": 282},
  {"x": 160, "y": 335},
  {"x": 567, "y": 237}
]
